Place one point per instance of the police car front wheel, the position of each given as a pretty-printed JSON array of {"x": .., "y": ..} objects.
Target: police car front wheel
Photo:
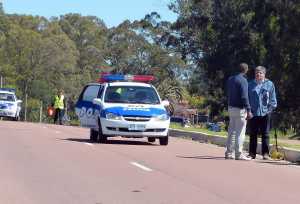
[
  {"x": 93, "y": 135},
  {"x": 102, "y": 138},
  {"x": 164, "y": 140}
]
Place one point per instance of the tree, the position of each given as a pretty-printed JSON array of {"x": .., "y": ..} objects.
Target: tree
[
  {"x": 89, "y": 35},
  {"x": 218, "y": 35},
  {"x": 1, "y": 9}
]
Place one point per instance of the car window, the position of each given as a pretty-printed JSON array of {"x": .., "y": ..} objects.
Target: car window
[
  {"x": 90, "y": 93},
  {"x": 131, "y": 94},
  {"x": 100, "y": 92},
  {"x": 7, "y": 97}
]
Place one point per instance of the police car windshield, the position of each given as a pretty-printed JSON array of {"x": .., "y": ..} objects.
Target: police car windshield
[
  {"x": 131, "y": 94},
  {"x": 7, "y": 97}
]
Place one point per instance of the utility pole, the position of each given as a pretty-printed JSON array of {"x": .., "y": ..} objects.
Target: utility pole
[
  {"x": 1, "y": 81},
  {"x": 41, "y": 111},
  {"x": 26, "y": 107}
]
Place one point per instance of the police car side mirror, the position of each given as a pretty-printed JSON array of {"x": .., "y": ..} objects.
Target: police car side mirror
[
  {"x": 19, "y": 101},
  {"x": 165, "y": 103},
  {"x": 97, "y": 101}
]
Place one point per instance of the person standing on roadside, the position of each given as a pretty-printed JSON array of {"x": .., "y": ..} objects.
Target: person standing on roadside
[
  {"x": 59, "y": 105},
  {"x": 262, "y": 98},
  {"x": 239, "y": 110}
]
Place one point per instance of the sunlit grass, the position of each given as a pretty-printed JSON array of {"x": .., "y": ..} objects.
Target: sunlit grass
[
  {"x": 197, "y": 129},
  {"x": 224, "y": 134}
]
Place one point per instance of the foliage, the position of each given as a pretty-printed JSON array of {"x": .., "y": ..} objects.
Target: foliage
[
  {"x": 196, "y": 53},
  {"x": 218, "y": 35},
  {"x": 33, "y": 110},
  {"x": 39, "y": 56}
]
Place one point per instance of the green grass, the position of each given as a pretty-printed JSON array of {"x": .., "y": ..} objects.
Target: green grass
[
  {"x": 196, "y": 129},
  {"x": 74, "y": 123},
  {"x": 281, "y": 134},
  {"x": 224, "y": 134},
  {"x": 283, "y": 144}
]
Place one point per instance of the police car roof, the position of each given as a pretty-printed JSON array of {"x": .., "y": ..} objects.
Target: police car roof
[
  {"x": 124, "y": 83},
  {"x": 7, "y": 92}
]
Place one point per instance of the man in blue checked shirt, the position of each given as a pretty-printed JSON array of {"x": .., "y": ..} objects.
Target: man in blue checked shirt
[{"x": 262, "y": 98}]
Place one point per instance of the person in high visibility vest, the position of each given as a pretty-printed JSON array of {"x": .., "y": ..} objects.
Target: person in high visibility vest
[{"x": 59, "y": 106}]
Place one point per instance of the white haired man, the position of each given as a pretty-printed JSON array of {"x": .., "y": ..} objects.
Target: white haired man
[{"x": 262, "y": 98}]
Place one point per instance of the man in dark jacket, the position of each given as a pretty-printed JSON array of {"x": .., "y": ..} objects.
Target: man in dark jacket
[{"x": 239, "y": 110}]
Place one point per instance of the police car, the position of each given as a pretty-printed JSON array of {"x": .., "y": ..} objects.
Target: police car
[
  {"x": 123, "y": 105},
  {"x": 10, "y": 106}
]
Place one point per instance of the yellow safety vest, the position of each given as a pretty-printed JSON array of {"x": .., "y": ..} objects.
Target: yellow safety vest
[{"x": 59, "y": 102}]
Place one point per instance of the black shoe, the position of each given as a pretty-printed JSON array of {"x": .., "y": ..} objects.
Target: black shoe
[
  {"x": 252, "y": 156},
  {"x": 266, "y": 157}
]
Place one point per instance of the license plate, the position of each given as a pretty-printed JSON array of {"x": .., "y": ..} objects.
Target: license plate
[{"x": 139, "y": 127}]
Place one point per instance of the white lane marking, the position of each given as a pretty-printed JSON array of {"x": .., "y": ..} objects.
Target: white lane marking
[
  {"x": 57, "y": 132},
  {"x": 44, "y": 127},
  {"x": 141, "y": 166},
  {"x": 89, "y": 144}
]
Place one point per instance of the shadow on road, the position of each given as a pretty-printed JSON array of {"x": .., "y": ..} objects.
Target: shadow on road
[
  {"x": 273, "y": 162},
  {"x": 76, "y": 140},
  {"x": 201, "y": 157},
  {"x": 279, "y": 163},
  {"x": 114, "y": 142},
  {"x": 129, "y": 142}
]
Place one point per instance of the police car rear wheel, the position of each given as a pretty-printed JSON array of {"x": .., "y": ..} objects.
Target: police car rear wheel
[
  {"x": 151, "y": 139},
  {"x": 93, "y": 135},
  {"x": 102, "y": 138},
  {"x": 164, "y": 140}
]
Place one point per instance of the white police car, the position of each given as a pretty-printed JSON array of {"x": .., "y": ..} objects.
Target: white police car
[
  {"x": 123, "y": 105},
  {"x": 10, "y": 106}
]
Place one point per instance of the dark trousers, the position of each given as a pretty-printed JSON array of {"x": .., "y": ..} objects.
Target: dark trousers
[
  {"x": 59, "y": 113},
  {"x": 259, "y": 125}
]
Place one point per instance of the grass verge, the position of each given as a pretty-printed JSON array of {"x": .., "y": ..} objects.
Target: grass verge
[{"x": 281, "y": 143}]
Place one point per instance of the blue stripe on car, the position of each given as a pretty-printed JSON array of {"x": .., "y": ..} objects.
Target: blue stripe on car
[
  {"x": 5, "y": 105},
  {"x": 121, "y": 110},
  {"x": 87, "y": 104},
  {"x": 133, "y": 111}
]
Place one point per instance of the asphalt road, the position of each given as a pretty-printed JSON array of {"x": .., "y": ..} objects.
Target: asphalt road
[{"x": 48, "y": 164}]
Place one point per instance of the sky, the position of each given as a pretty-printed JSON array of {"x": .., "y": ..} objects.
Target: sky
[{"x": 112, "y": 12}]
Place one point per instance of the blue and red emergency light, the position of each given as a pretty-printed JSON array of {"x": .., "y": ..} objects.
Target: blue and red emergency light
[{"x": 118, "y": 77}]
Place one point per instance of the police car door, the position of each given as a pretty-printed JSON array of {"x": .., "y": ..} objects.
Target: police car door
[{"x": 86, "y": 110}]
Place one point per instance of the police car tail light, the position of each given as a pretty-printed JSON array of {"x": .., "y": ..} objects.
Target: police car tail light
[{"x": 119, "y": 77}]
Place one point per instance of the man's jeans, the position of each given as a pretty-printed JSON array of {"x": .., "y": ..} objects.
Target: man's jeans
[{"x": 237, "y": 130}]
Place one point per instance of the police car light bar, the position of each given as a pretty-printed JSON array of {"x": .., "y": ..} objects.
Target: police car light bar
[
  {"x": 119, "y": 77},
  {"x": 8, "y": 89}
]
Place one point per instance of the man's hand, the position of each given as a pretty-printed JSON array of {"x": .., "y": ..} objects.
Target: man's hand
[{"x": 249, "y": 115}]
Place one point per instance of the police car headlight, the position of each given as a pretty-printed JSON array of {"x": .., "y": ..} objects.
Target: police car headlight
[
  {"x": 162, "y": 117},
  {"x": 10, "y": 107},
  {"x": 112, "y": 116}
]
